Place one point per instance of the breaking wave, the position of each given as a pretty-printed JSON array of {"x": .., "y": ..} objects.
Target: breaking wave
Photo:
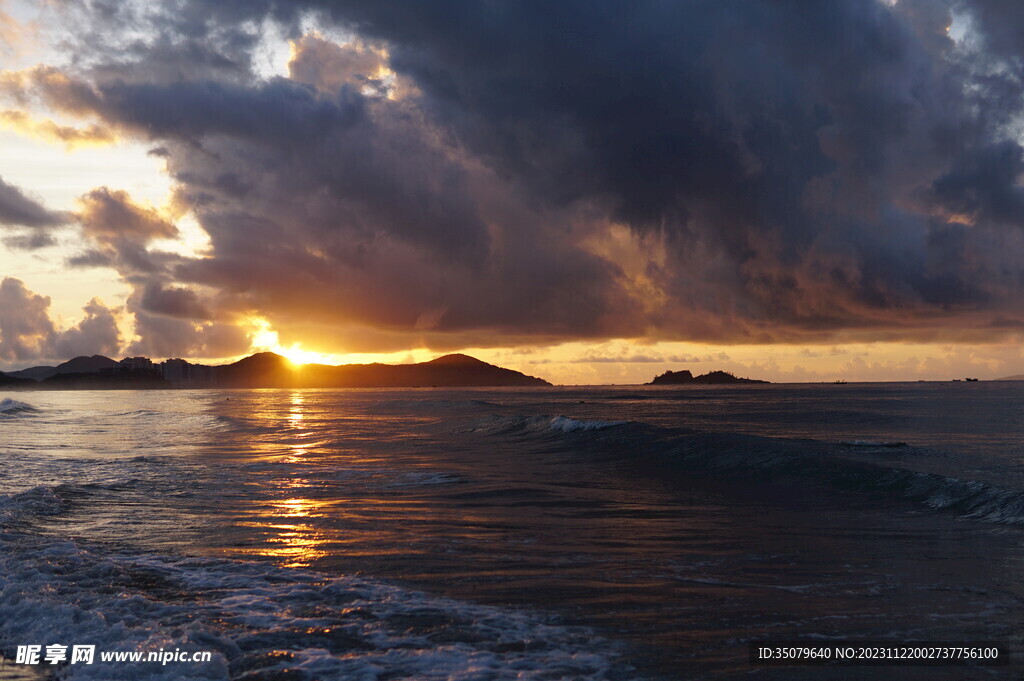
[
  {"x": 751, "y": 459},
  {"x": 495, "y": 424},
  {"x": 12, "y": 406},
  {"x": 568, "y": 425},
  {"x": 265, "y": 622}
]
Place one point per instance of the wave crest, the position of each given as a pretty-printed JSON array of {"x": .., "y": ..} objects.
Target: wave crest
[
  {"x": 496, "y": 424},
  {"x": 564, "y": 424},
  {"x": 12, "y": 406},
  {"x": 38, "y": 501},
  {"x": 756, "y": 460},
  {"x": 282, "y": 622}
]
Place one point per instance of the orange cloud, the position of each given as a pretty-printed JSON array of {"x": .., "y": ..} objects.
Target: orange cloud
[{"x": 51, "y": 131}]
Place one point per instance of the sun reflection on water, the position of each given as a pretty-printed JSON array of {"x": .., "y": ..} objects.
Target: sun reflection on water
[
  {"x": 288, "y": 539},
  {"x": 295, "y": 411},
  {"x": 309, "y": 480},
  {"x": 295, "y": 420}
]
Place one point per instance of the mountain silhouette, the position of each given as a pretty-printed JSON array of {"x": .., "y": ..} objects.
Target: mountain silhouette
[
  {"x": 264, "y": 370},
  {"x": 9, "y": 381},
  {"x": 457, "y": 359},
  {"x": 86, "y": 365},
  {"x": 267, "y": 369},
  {"x": 76, "y": 365}
]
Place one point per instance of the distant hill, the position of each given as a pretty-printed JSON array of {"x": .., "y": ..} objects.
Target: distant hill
[
  {"x": 34, "y": 373},
  {"x": 1018, "y": 377},
  {"x": 78, "y": 365},
  {"x": 86, "y": 365},
  {"x": 107, "y": 380},
  {"x": 684, "y": 377},
  {"x": 267, "y": 369},
  {"x": 9, "y": 381}
]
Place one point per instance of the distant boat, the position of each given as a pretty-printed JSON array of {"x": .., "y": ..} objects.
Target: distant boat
[
  {"x": 839, "y": 382},
  {"x": 972, "y": 380},
  {"x": 956, "y": 380}
]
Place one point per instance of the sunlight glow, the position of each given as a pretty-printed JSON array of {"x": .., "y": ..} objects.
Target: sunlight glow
[
  {"x": 266, "y": 339},
  {"x": 297, "y": 356}
]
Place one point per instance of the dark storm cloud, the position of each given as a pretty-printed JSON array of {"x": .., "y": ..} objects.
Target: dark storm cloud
[
  {"x": 18, "y": 210},
  {"x": 593, "y": 357},
  {"x": 784, "y": 170},
  {"x": 25, "y": 327},
  {"x": 115, "y": 40},
  {"x": 779, "y": 136},
  {"x": 170, "y": 319},
  {"x": 120, "y": 232},
  {"x": 161, "y": 336},
  {"x": 322, "y": 201},
  {"x": 29, "y": 240},
  {"x": 111, "y": 217},
  {"x": 96, "y": 334},
  {"x": 786, "y": 138},
  {"x": 986, "y": 187},
  {"x": 1002, "y": 23},
  {"x": 27, "y": 334},
  {"x": 173, "y": 302},
  {"x": 27, "y": 223}
]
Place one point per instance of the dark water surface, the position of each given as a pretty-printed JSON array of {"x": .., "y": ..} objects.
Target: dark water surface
[{"x": 591, "y": 533}]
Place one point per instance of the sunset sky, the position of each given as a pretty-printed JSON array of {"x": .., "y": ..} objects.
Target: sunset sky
[{"x": 586, "y": 191}]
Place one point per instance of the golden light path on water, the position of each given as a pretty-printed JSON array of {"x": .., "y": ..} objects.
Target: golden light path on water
[
  {"x": 296, "y": 515},
  {"x": 291, "y": 539}
]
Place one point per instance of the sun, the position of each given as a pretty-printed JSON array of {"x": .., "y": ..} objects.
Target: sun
[
  {"x": 297, "y": 356},
  {"x": 265, "y": 339}
]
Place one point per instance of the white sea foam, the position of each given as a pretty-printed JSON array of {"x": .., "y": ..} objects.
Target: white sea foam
[
  {"x": 41, "y": 500},
  {"x": 565, "y": 424},
  {"x": 873, "y": 443},
  {"x": 248, "y": 613},
  {"x": 423, "y": 478},
  {"x": 12, "y": 406},
  {"x": 507, "y": 424}
]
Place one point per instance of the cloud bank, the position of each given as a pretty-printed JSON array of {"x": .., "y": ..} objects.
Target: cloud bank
[{"x": 455, "y": 174}]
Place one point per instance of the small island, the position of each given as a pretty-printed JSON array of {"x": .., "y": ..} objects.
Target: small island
[{"x": 684, "y": 377}]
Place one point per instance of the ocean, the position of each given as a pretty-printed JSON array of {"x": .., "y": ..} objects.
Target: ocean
[{"x": 599, "y": 533}]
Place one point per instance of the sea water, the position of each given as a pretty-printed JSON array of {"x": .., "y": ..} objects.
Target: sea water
[{"x": 556, "y": 533}]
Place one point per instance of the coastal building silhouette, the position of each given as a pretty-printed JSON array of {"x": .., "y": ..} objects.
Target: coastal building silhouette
[
  {"x": 136, "y": 363},
  {"x": 181, "y": 372}
]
